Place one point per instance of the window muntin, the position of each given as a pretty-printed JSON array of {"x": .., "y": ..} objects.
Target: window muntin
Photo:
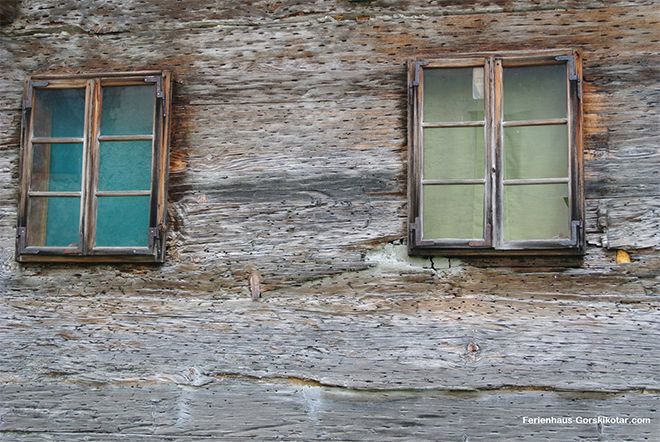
[
  {"x": 523, "y": 115},
  {"x": 535, "y": 194},
  {"x": 56, "y": 153},
  {"x": 453, "y": 154},
  {"x": 122, "y": 189},
  {"x": 94, "y": 155}
]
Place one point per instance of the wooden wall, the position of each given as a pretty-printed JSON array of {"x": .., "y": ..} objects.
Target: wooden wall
[{"x": 289, "y": 157}]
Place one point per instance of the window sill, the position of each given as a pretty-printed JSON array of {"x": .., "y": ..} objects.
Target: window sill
[
  {"x": 490, "y": 252},
  {"x": 97, "y": 259}
]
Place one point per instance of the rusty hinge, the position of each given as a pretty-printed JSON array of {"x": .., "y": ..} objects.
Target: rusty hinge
[
  {"x": 418, "y": 68},
  {"x": 27, "y": 100}
]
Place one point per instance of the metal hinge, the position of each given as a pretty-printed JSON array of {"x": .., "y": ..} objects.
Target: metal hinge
[
  {"x": 576, "y": 231},
  {"x": 578, "y": 86},
  {"x": 570, "y": 61},
  {"x": 413, "y": 230},
  {"x": 418, "y": 68},
  {"x": 158, "y": 80},
  {"x": 20, "y": 234},
  {"x": 23, "y": 249},
  {"x": 27, "y": 100},
  {"x": 572, "y": 71},
  {"x": 159, "y": 84},
  {"x": 156, "y": 236}
]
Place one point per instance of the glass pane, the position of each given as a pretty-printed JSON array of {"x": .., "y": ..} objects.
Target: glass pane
[
  {"x": 127, "y": 110},
  {"x": 56, "y": 167},
  {"x": 122, "y": 221},
  {"x": 53, "y": 222},
  {"x": 536, "y": 152},
  {"x": 125, "y": 165},
  {"x": 453, "y": 211},
  {"x": 454, "y": 94},
  {"x": 454, "y": 152},
  {"x": 59, "y": 113},
  {"x": 536, "y": 212},
  {"x": 535, "y": 92}
]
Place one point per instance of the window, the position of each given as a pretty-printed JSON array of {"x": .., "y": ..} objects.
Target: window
[
  {"x": 94, "y": 162},
  {"x": 495, "y": 162}
]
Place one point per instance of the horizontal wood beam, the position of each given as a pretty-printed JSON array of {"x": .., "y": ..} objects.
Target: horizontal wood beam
[
  {"x": 190, "y": 405},
  {"x": 86, "y": 75}
]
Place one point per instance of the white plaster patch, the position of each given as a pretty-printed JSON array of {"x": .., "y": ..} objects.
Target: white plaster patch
[{"x": 396, "y": 256}]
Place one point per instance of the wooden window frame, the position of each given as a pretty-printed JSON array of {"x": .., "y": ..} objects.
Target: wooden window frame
[
  {"x": 86, "y": 251},
  {"x": 492, "y": 242}
]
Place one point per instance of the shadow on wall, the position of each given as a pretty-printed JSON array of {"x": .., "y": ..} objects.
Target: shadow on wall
[{"x": 8, "y": 11}]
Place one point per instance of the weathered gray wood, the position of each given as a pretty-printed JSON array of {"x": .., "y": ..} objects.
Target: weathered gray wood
[
  {"x": 416, "y": 338},
  {"x": 93, "y": 16},
  {"x": 289, "y": 157},
  {"x": 630, "y": 225},
  {"x": 286, "y": 409}
]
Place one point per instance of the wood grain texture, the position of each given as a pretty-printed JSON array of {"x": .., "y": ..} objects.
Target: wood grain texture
[
  {"x": 394, "y": 340},
  {"x": 289, "y": 156},
  {"x": 291, "y": 410}
]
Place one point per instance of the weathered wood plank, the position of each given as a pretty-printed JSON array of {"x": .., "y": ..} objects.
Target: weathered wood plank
[
  {"x": 631, "y": 225},
  {"x": 414, "y": 338},
  {"x": 289, "y": 158},
  {"x": 238, "y": 409},
  {"x": 99, "y": 17}
]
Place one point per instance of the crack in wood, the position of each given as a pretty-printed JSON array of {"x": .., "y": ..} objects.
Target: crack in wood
[
  {"x": 202, "y": 380},
  {"x": 309, "y": 382}
]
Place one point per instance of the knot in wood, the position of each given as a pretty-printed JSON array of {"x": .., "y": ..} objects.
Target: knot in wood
[{"x": 472, "y": 347}]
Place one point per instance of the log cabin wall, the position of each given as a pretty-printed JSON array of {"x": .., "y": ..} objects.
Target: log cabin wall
[{"x": 288, "y": 165}]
